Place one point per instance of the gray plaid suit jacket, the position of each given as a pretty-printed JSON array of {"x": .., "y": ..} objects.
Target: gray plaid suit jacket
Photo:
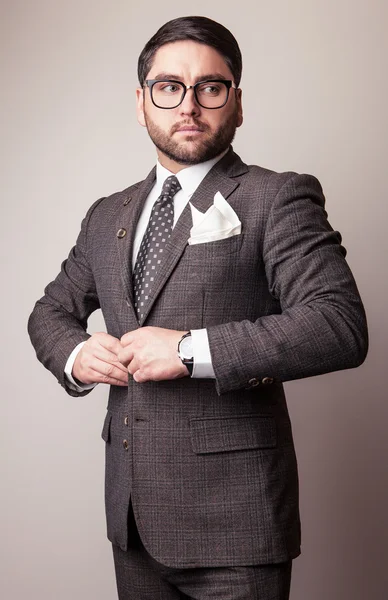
[{"x": 210, "y": 465}]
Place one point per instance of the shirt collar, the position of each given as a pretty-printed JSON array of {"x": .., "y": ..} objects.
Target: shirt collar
[{"x": 189, "y": 177}]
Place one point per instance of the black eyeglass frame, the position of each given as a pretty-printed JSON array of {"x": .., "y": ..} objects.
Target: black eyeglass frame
[{"x": 151, "y": 82}]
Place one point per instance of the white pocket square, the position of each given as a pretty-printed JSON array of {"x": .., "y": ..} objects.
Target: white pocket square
[{"x": 217, "y": 223}]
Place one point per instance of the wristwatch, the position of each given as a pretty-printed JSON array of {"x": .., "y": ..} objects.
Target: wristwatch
[{"x": 185, "y": 351}]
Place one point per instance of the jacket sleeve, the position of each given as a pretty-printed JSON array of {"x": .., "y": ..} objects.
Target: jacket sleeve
[
  {"x": 322, "y": 326},
  {"x": 59, "y": 319}
]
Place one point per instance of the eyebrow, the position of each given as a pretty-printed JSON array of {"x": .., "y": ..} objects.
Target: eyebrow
[{"x": 206, "y": 77}]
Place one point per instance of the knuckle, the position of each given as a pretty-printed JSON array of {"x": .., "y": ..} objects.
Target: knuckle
[
  {"x": 94, "y": 338},
  {"x": 88, "y": 376},
  {"x": 109, "y": 369},
  {"x": 84, "y": 365},
  {"x": 146, "y": 372}
]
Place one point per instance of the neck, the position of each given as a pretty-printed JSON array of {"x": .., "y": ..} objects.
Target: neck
[
  {"x": 170, "y": 164},
  {"x": 174, "y": 167}
]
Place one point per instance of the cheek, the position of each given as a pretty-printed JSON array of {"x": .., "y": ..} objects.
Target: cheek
[
  {"x": 161, "y": 119},
  {"x": 216, "y": 120},
  {"x": 219, "y": 120}
]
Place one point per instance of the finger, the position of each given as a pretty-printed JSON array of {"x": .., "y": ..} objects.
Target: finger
[
  {"x": 109, "y": 357},
  {"x": 109, "y": 342},
  {"x": 129, "y": 337},
  {"x": 133, "y": 367},
  {"x": 139, "y": 376},
  {"x": 126, "y": 355},
  {"x": 100, "y": 378},
  {"x": 108, "y": 370}
]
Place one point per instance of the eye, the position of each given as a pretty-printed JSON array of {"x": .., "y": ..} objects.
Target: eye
[
  {"x": 169, "y": 88},
  {"x": 210, "y": 89}
]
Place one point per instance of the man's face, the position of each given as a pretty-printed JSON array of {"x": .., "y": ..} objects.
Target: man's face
[{"x": 189, "y": 134}]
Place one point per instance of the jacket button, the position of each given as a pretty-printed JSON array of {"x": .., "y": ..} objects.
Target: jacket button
[
  {"x": 121, "y": 233},
  {"x": 126, "y": 420},
  {"x": 267, "y": 380},
  {"x": 253, "y": 382},
  {"x": 125, "y": 444}
]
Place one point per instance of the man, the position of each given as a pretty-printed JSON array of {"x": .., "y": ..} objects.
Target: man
[{"x": 218, "y": 282}]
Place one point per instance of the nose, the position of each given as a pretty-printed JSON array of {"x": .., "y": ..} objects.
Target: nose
[{"x": 189, "y": 106}]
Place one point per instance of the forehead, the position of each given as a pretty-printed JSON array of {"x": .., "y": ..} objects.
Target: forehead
[{"x": 188, "y": 59}]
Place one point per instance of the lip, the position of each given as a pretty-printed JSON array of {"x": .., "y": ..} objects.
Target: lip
[{"x": 189, "y": 129}]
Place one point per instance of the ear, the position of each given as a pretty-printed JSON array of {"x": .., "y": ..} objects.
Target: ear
[
  {"x": 239, "y": 108},
  {"x": 140, "y": 106}
]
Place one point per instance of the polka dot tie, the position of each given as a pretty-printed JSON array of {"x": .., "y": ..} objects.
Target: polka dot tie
[{"x": 153, "y": 244}]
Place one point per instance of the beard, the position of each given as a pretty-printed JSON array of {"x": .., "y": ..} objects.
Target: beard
[{"x": 199, "y": 150}]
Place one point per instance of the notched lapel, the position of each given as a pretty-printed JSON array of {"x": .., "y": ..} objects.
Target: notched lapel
[
  {"x": 215, "y": 181},
  {"x": 127, "y": 221}
]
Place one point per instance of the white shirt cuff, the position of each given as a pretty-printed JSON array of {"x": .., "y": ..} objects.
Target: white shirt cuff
[
  {"x": 203, "y": 367},
  {"x": 69, "y": 368}
]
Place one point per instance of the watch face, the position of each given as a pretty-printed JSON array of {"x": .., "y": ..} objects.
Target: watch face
[{"x": 186, "y": 348}]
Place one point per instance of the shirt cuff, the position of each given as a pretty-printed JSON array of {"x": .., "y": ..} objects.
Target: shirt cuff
[
  {"x": 68, "y": 370},
  {"x": 203, "y": 367}
]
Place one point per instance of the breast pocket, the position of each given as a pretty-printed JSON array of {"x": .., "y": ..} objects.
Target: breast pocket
[{"x": 219, "y": 248}]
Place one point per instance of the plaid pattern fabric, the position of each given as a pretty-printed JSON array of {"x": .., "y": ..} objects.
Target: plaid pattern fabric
[{"x": 210, "y": 464}]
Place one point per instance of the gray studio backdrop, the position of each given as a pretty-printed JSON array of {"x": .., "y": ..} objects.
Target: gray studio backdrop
[{"x": 315, "y": 98}]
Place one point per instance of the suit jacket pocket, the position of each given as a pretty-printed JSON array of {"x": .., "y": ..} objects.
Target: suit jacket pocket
[
  {"x": 105, "y": 434},
  {"x": 225, "y": 246},
  {"x": 224, "y": 434}
]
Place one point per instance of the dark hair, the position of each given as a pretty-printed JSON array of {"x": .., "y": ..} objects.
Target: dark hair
[{"x": 199, "y": 29}]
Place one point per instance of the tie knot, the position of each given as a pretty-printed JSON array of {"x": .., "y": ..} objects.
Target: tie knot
[{"x": 171, "y": 186}]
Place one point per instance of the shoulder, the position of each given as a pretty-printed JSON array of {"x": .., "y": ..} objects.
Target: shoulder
[
  {"x": 108, "y": 205},
  {"x": 108, "y": 208},
  {"x": 277, "y": 179},
  {"x": 258, "y": 177},
  {"x": 104, "y": 212},
  {"x": 269, "y": 185}
]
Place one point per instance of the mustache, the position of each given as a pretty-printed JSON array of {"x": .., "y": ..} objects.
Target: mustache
[{"x": 193, "y": 123}]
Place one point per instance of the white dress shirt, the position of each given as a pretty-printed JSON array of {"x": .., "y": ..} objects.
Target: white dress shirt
[{"x": 189, "y": 179}]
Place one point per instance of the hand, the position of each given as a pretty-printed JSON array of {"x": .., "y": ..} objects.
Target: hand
[
  {"x": 150, "y": 354},
  {"x": 97, "y": 361}
]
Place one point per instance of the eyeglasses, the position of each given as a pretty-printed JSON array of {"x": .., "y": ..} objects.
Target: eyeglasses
[{"x": 208, "y": 94}]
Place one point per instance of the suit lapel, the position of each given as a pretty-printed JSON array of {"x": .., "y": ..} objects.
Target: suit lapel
[
  {"x": 127, "y": 221},
  {"x": 217, "y": 180}
]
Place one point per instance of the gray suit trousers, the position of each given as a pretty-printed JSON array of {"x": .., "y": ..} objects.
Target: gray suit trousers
[{"x": 140, "y": 577}]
